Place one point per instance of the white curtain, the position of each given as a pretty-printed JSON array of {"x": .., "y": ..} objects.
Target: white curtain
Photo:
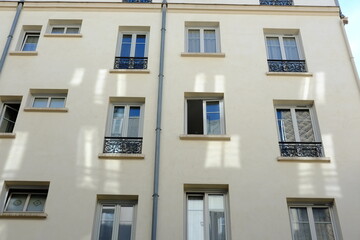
[
  {"x": 273, "y": 46},
  {"x": 117, "y": 124},
  {"x": 290, "y": 47},
  {"x": 300, "y": 223},
  {"x": 195, "y": 218}
]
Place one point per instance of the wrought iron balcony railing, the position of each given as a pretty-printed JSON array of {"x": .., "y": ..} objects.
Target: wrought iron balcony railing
[
  {"x": 276, "y": 2},
  {"x": 287, "y": 65},
  {"x": 130, "y": 145},
  {"x": 130, "y": 63},
  {"x": 301, "y": 149},
  {"x": 137, "y": 1}
]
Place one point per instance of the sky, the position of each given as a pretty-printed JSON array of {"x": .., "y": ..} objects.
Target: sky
[{"x": 351, "y": 9}]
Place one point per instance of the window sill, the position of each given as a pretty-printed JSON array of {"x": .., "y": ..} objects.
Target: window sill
[
  {"x": 120, "y": 156},
  {"x": 63, "y": 35},
  {"x": 218, "y": 55},
  {"x": 7, "y": 135},
  {"x": 129, "y": 71},
  {"x": 299, "y": 74},
  {"x": 304, "y": 159},
  {"x": 46, "y": 109},
  {"x": 205, "y": 137},
  {"x": 22, "y": 215},
  {"x": 23, "y": 53}
]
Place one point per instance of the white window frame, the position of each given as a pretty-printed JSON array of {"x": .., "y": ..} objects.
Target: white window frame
[
  {"x": 3, "y": 108},
  {"x": 282, "y": 48},
  {"x": 202, "y": 40},
  {"x": 49, "y": 97},
  {"x": 292, "y": 108},
  {"x": 126, "y": 118},
  {"x": 206, "y": 218},
  {"x": 65, "y": 28},
  {"x": 206, "y": 100},
  {"x": 309, "y": 208},
  {"x": 26, "y": 35},
  {"x": 118, "y": 204},
  {"x": 133, "y": 42}
]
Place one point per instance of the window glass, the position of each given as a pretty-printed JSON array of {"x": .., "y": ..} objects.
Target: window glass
[
  {"x": 290, "y": 47},
  {"x": 300, "y": 223},
  {"x": 126, "y": 45},
  {"x": 273, "y": 46},
  {"x": 125, "y": 227},
  {"x": 209, "y": 41},
  {"x": 217, "y": 217},
  {"x": 40, "y": 102},
  {"x": 285, "y": 125},
  {"x": 106, "y": 222},
  {"x": 58, "y": 30},
  {"x": 16, "y": 203},
  {"x": 323, "y": 225},
  {"x": 57, "y": 103},
  {"x": 194, "y": 40},
  {"x": 195, "y": 220},
  {"x": 8, "y": 117},
  {"x": 72, "y": 30},
  {"x": 140, "y": 45},
  {"x": 30, "y": 41},
  {"x": 213, "y": 117},
  {"x": 118, "y": 121},
  {"x": 134, "y": 122},
  {"x": 36, "y": 203},
  {"x": 305, "y": 125}
]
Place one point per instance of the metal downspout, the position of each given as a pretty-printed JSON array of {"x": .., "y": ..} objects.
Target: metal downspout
[
  {"x": 12, "y": 30},
  {"x": 158, "y": 124}
]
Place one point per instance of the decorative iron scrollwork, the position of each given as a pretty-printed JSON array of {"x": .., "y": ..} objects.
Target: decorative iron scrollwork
[
  {"x": 287, "y": 66},
  {"x": 122, "y": 145},
  {"x": 137, "y": 1},
  {"x": 276, "y": 2},
  {"x": 301, "y": 149},
  {"x": 130, "y": 63}
]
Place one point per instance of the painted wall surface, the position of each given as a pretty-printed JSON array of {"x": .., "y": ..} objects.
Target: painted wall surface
[{"x": 63, "y": 147}]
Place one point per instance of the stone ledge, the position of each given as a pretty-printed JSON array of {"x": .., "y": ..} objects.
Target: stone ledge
[
  {"x": 23, "y": 53},
  {"x": 120, "y": 156},
  {"x": 129, "y": 71},
  {"x": 22, "y": 215},
  {"x": 304, "y": 159},
  {"x": 7, "y": 135},
  {"x": 297, "y": 74},
  {"x": 46, "y": 109},
  {"x": 205, "y": 137},
  {"x": 216, "y": 55},
  {"x": 63, "y": 35}
]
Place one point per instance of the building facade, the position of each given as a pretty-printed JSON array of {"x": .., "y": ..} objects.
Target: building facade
[{"x": 259, "y": 105}]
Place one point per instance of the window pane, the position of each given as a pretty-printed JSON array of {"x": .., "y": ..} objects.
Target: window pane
[
  {"x": 126, "y": 45},
  {"x": 72, "y": 30},
  {"x": 217, "y": 217},
  {"x": 305, "y": 125},
  {"x": 118, "y": 121},
  {"x": 36, "y": 203},
  {"x": 195, "y": 122},
  {"x": 40, "y": 102},
  {"x": 30, "y": 42},
  {"x": 8, "y": 117},
  {"x": 290, "y": 47},
  {"x": 126, "y": 218},
  {"x": 106, "y": 222},
  {"x": 273, "y": 46},
  {"x": 213, "y": 117},
  {"x": 58, "y": 30},
  {"x": 57, "y": 102},
  {"x": 209, "y": 41},
  {"x": 323, "y": 225},
  {"x": 195, "y": 218},
  {"x": 285, "y": 125},
  {"x": 140, "y": 46},
  {"x": 300, "y": 224},
  {"x": 16, "y": 203},
  {"x": 194, "y": 41},
  {"x": 134, "y": 122}
]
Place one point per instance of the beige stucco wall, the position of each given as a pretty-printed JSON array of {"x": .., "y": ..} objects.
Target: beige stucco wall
[{"x": 63, "y": 147}]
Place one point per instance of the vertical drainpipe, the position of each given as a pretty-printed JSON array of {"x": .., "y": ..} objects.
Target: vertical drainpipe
[
  {"x": 158, "y": 123},
  {"x": 11, "y": 34}
]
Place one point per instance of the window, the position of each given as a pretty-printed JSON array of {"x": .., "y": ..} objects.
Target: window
[
  {"x": 64, "y": 26},
  {"x": 299, "y": 135},
  {"x": 8, "y": 115},
  {"x": 27, "y": 198},
  {"x": 206, "y": 216},
  {"x": 276, "y": 2},
  {"x": 205, "y": 116},
  {"x": 115, "y": 220},
  {"x": 65, "y": 29},
  {"x": 284, "y": 53},
  {"x": 124, "y": 132},
  {"x": 53, "y": 101},
  {"x": 202, "y": 37},
  {"x": 30, "y": 41},
  {"x": 132, "y": 50},
  {"x": 312, "y": 221}
]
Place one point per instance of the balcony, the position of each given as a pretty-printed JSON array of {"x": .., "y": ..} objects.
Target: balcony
[
  {"x": 277, "y": 2},
  {"x": 130, "y": 63},
  {"x": 287, "y": 65},
  {"x": 137, "y": 1},
  {"x": 128, "y": 145},
  {"x": 301, "y": 149}
]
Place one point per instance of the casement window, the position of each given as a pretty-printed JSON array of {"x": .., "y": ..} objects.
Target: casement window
[
  {"x": 8, "y": 115},
  {"x": 203, "y": 40},
  {"x": 315, "y": 222},
  {"x": 115, "y": 220},
  {"x": 132, "y": 51},
  {"x": 298, "y": 131},
  {"x": 30, "y": 41},
  {"x": 206, "y": 216},
  {"x": 63, "y": 29},
  {"x": 124, "y": 131},
  {"x": 49, "y": 101},
  {"x": 277, "y": 2},
  {"x": 284, "y": 53},
  {"x": 205, "y": 116}
]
